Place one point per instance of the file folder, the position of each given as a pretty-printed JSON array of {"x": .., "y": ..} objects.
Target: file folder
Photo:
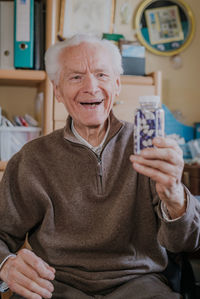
[
  {"x": 24, "y": 33},
  {"x": 6, "y": 34},
  {"x": 39, "y": 34}
]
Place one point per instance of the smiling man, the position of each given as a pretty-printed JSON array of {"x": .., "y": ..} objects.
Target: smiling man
[
  {"x": 87, "y": 86},
  {"x": 98, "y": 218}
]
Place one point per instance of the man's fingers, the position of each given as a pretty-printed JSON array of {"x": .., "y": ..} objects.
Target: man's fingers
[
  {"x": 23, "y": 279},
  {"x": 163, "y": 154},
  {"x": 30, "y": 273},
  {"x": 41, "y": 267},
  {"x": 156, "y": 175},
  {"x": 25, "y": 293},
  {"x": 49, "y": 267},
  {"x": 160, "y": 165},
  {"x": 166, "y": 142}
]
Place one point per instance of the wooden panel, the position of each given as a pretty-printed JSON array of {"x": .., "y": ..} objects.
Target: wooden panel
[
  {"x": 18, "y": 77},
  {"x": 133, "y": 87},
  {"x": 1, "y": 175},
  {"x": 124, "y": 106},
  {"x": 48, "y": 108},
  {"x": 2, "y": 165},
  {"x": 59, "y": 124},
  {"x": 60, "y": 112},
  {"x": 52, "y": 20},
  {"x": 138, "y": 80}
]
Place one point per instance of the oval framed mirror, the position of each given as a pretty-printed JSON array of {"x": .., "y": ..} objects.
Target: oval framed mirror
[{"x": 164, "y": 27}]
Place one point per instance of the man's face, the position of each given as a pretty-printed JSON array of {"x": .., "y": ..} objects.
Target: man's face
[{"x": 87, "y": 84}]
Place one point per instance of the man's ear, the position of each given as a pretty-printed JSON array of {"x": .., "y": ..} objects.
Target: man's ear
[
  {"x": 118, "y": 86},
  {"x": 57, "y": 92}
]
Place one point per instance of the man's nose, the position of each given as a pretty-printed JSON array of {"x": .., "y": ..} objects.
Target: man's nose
[{"x": 90, "y": 84}]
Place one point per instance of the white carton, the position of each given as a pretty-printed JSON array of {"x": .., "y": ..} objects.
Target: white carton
[{"x": 13, "y": 138}]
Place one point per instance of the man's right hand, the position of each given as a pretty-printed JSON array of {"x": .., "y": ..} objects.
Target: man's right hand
[{"x": 28, "y": 275}]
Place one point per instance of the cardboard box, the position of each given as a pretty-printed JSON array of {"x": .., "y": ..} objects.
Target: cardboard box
[
  {"x": 133, "y": 66},
  {"x": 133, "y": 59}
]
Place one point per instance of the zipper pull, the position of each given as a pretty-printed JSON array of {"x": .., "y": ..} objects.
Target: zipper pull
[{"x": 100, "y": 168}]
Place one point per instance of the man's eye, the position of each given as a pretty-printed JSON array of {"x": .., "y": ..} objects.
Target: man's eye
[
  {"x": 101, "y": 75},
  {"x": 77, "y": 77}
]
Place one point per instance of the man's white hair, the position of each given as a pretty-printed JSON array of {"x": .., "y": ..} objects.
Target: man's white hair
[{"x": 52, "y": 54}]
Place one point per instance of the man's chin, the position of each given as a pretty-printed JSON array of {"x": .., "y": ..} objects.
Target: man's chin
[{"x": 94, "y": 125}]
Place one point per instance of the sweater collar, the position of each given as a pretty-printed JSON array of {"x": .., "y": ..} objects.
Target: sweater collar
[{"x": 115, "y": 126}]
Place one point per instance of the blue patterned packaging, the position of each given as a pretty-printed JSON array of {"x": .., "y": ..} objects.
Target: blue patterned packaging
[{"x": 149, "y": 122}]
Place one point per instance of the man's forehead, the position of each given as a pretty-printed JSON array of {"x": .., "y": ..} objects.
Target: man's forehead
[
  {"x": 83, "y": 55},
  {"x": 86, "y": 50}
]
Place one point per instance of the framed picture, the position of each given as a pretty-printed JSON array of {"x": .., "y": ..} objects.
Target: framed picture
[
  {"x": 86, "y": 16},
  {"x": 164, "y": 24},
  {"x": 164, "y": 27}
]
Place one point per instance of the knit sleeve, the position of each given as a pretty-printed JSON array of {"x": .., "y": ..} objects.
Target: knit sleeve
[
  {"x": 183, "y": 233},
  {"x": 18, "y": 213}
]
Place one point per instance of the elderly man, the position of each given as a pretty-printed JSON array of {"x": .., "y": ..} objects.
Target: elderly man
[{"x": 99, "y": 219}]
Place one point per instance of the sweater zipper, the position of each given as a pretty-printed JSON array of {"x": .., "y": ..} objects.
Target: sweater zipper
[
  {"x": 100, "y": 176},
  {"x": 99, "y": 170}
]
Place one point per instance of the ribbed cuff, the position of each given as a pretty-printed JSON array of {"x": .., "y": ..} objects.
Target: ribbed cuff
[
  {"x": 3, "y": 286},
  {"x": 1, "y": 265}
]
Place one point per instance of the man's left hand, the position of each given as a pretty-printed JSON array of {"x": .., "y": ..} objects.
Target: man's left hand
[{"x": 164, "y": 164}]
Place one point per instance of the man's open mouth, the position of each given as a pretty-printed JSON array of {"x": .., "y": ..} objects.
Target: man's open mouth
[{"x": 92, "y": 104}]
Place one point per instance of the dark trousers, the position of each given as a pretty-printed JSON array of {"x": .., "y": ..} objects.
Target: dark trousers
[{"x": 145, "y": 287}]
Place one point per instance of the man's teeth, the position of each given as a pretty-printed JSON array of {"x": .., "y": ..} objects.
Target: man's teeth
[{"x": 92, "y": 104}]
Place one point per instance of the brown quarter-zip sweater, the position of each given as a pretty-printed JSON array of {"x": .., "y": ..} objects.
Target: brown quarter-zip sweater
[{"x": 96, "y": 220}]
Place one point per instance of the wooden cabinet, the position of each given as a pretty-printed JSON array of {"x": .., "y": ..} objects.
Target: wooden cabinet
[
  {"x": 132, "y": 88},
  {"x": 191, "y": 178},
  {"x": 125, "y": 104}
]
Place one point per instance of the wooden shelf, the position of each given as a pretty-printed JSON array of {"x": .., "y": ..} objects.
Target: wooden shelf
[
  {"x": 21, "y": 77},
  {"x": 137, "y": 80},
  {"x": 34, "y": 78},
  {"x": 3, "y": 165}
]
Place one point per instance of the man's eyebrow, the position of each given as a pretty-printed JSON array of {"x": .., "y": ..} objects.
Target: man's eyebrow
[
  {"x": 103, "y": 69},
  {"x": 68, "y": 71},
  {"x": 72, "y": 71}
]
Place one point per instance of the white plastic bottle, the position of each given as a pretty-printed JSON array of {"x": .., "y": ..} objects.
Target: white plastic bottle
[{"x": 149, "y": 122}]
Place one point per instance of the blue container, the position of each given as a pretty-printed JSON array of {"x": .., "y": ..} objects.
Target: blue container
[{"x": 197, "y": 130}]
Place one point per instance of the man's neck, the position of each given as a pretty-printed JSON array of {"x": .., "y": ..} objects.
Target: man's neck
[{"x": 93, "y": 135}]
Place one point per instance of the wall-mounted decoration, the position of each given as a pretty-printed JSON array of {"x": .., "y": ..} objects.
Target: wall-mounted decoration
[
  {"x": 86, "y": 16},
  {"x": 164, "y": 27},
  {"x": 125, "y": 13}
]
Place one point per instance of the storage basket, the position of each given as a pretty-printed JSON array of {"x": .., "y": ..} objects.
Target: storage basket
[{"x": 13, "y": 138}]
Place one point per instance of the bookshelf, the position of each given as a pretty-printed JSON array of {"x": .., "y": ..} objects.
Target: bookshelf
[
  {"x": 34, "y": 81},
  {"x": 22, "y": 77}
]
